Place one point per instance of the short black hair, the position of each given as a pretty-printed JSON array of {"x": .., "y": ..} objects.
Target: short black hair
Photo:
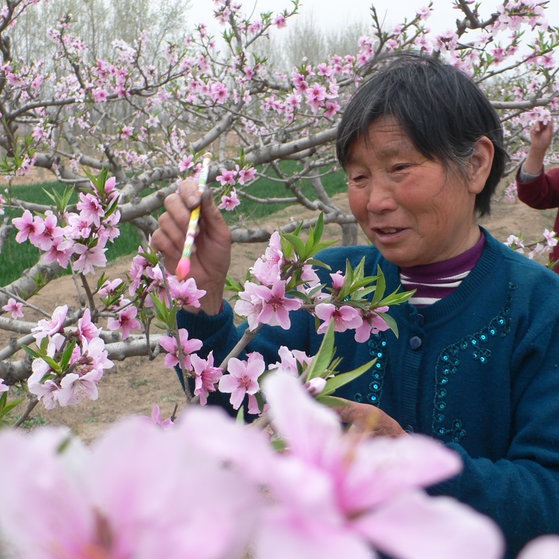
[{"x": 442, "y": 110}]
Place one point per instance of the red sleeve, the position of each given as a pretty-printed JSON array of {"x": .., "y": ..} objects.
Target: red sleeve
[{"x": 541, "y": 193}]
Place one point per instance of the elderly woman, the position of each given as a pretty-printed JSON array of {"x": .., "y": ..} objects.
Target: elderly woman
[{"x": 476, "y": 362}]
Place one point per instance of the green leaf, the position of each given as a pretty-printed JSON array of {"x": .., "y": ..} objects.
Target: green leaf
[
  {"x": 233, "y": 285},
  {"x": 7, "y": 407},
  {"x": 112, "y": 207},
  {"x": 339, "y": 380},
  {"x": 64, "y": 444},
  {"x": 278, "y": 444},
  {"x": 99, "y": 180},
  {"x": 321, "y": 246},
  {"x": 240, "y": 417},
  {"x": 54, "y": 365},
  {"x": 318, "y": 229},
  {"x": 296, "y": 242},
  {"x": 67, "y": 354},
  {"x": 395, "y": 298},
  {"x": 380, "y": 286},
  {"x": 61, "y": 201},
  {"x": 390, "y": 321},
  {"x": 150, "y": 255},
  {"x": 330, "y": 401},
  {"x": 324, "y": 356},
  {"x": 44, "y": 346},
  {"x": 102, "y": 279},
  {"x": 162, "y": 312},
  {"x": 31, "y": 351}
]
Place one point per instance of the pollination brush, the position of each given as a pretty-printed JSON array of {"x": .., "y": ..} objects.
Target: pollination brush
[{"x": 183, "y": 267}]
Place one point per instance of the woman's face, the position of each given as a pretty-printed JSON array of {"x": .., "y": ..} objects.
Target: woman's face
[{"x": 413, "y": 209}]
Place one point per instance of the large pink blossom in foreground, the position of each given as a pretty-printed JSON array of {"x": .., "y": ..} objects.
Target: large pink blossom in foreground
[
  {"x": 544, "y": 547},
  {"x": 139, "y": 492},
  {"x": 208, "y": 487},
  {"x": 339, "y": 496}
]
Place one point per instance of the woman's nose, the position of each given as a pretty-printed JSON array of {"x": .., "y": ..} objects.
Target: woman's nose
[{"x": 381, "y": 197}]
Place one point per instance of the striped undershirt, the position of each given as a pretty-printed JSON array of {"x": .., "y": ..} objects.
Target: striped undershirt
[{"x": 434, "y": 281}]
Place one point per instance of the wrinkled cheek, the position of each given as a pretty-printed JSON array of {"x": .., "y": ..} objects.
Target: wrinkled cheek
[{"x": 436, "y": 218}]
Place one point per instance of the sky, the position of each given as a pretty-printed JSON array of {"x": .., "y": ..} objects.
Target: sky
[{"x": 333, "y": 13}]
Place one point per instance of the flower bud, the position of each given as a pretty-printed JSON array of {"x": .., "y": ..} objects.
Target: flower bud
[{"x": 315, "y": 385}]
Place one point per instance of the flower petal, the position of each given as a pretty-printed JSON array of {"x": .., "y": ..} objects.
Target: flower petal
[
  {"x": 416, "y": 526},
  {"x": 313, "y": 429}
]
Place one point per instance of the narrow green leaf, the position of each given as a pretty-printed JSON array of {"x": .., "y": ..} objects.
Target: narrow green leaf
[
  {"x": 296, "y": 242},
  {"x": 233, "y": 285},
  {"x": 330, "y": 401},
  {"x": 31, "y": 351},
  {"x": 67, "y": 354},
  {"x": 319, "y": 227},
  {"x": 161, "y": 309},
  {"x": 54, "y": 365},
  {"x": 397, "y": 298},
  {"x": 380, "y": 286},
  {"x": 7, "y": 408},
  {"x": 333, "y": 383},
  {"x": 278, "y": 445},
  {"x": 324, "y": 355},
  {"x": 319, "y": 263}
]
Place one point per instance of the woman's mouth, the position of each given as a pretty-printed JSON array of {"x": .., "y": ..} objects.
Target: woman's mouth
[{"x": 388, "y": 234}]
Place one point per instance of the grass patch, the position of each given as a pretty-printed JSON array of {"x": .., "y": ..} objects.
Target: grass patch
[
  {"x": 35, "y": 421},
  {"x": 139, "y": 383}
]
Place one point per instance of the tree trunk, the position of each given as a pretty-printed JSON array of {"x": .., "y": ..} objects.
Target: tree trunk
[{"x": 349, "y": 233}]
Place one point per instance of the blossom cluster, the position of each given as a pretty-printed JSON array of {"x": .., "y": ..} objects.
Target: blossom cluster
[
  {"x": 67, "y": 365},
  {"x": 314, "y": 92},
  {"x": 533, "y": 249},
  {"x": 281, "y": 281},
  {"x": 79, "y": 237},
  {"x": 70, "y": 355}
]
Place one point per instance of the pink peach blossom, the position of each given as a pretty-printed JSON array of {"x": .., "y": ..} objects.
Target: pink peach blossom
[
  {"x": 14, "y": 307},
  {"x": 242, "y": 378},
  {"x": 344, "y": 317},
  {"x": 169, "y": 344},
  {"x": 206, "y": 376}
]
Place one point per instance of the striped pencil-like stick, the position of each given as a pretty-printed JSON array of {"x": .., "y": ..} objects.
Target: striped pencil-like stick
[{"x": 183, "y": 267}]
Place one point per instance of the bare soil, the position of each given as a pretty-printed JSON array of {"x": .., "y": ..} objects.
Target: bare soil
[{"x": 133, "y": 386}]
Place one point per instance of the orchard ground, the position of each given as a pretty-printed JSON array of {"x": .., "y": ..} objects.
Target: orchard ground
[{"x": 135, "y": 385}]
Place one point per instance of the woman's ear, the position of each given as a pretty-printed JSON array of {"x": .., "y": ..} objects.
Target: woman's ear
[{"x": 480, "y": 164}]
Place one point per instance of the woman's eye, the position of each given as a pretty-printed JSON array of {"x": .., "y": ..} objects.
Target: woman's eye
[
  {"x": 401, "y": 167},
  {"x": 357, "y": 181}
]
